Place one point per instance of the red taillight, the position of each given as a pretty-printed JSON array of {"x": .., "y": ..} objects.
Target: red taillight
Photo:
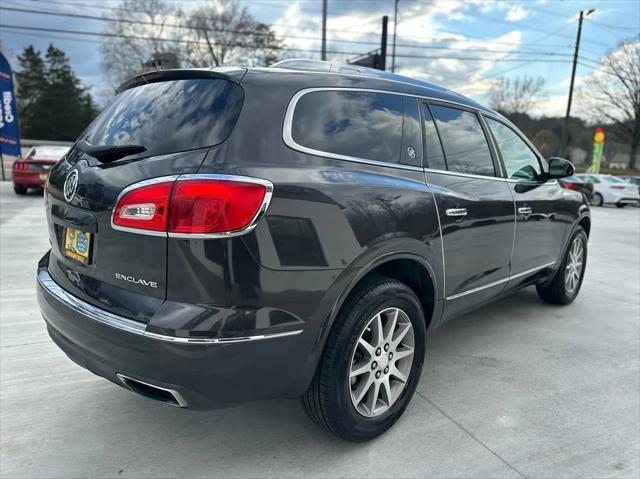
[
  {"x": 144, "y": 208},
  {"x": 571, "y": 186},
  {"x": 193, "y": 206},
  {"x": 618, "y": 187},
  {"x": 214, "y": 206},
  {"x": 19, "y": 166}
]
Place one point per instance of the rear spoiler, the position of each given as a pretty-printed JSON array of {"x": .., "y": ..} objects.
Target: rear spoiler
[{"x": 234, "y": 75}]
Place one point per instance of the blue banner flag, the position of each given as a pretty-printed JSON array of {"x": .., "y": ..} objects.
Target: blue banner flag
[{"x": 9, "y": 131}]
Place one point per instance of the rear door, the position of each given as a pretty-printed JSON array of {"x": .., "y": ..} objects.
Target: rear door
[
  {"x": 474, "y": 205},
  {"x": 178, "y": 121},
  {"x": 542, "y": 217}
]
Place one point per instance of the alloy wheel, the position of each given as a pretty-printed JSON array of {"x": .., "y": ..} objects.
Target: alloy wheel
[
  {"x": 381, "y": 362},
  {"x": 575, "y": 263}
]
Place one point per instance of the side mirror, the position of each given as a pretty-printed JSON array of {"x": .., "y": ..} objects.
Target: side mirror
[{"x": 560, "y": 168}]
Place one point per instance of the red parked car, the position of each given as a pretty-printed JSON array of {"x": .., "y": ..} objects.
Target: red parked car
[{"x": 32, "y": 170}]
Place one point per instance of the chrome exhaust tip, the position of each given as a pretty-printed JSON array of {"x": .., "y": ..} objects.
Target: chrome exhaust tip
[{"x": 165, "y": 395}]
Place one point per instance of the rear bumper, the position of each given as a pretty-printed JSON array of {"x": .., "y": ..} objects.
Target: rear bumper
[
  {"x": 33, "y": 179},
  {"x": 628, "y": 200},
  {"x": 204, "y": 373}
]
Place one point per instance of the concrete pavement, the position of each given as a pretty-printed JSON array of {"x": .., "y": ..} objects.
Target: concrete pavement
[{"x": 516, "y": 389}]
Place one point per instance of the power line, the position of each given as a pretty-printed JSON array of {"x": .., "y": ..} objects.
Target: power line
[
  {"x": 240, "y": 45},
  {"x": 244, "y": 32}
]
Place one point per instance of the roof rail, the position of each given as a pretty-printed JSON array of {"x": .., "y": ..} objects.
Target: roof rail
[{"x": 332, "y": 67}]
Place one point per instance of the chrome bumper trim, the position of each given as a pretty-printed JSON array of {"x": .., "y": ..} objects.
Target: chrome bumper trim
[
  {"x": 134, "y": 327},
  {"x": 501, "y": 281}
]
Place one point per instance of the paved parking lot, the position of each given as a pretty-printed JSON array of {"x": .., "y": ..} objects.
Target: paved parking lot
[{"x": 517, "y": 389}]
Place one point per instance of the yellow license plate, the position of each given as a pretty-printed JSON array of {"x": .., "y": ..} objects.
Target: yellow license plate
[
  {"x": 43, "y": 176},
  {"x": 77, "y": 245}
]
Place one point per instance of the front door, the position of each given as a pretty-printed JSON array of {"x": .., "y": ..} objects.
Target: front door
[
  {"x": 474, "y": 204},
  {"x": 541, "y": 224}
]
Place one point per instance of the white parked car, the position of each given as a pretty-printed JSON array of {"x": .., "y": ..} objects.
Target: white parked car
[{"x": 611, "y": 189}]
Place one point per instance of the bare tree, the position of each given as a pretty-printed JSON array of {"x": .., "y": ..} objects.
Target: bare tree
[
  {"x": 225, "y": 32},
  {"x": 515, "y": 96},
  {"x": 149, "y": 34},
  {"x": 145, "y": 34},
  {"x": 612, "y": 94}
]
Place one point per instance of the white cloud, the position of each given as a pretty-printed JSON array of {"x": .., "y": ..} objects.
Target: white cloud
[
  {"x": 551, "y": 105},
  {"x": 517, "y": 13},
  {"x": 419, "y": 27}
]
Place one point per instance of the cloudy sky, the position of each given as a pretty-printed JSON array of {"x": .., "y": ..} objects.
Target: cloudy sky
[{"x": 461, "y": 44}]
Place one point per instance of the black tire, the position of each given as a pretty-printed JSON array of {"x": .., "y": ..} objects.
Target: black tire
[
  {"x": 20, "y": 190},
  {"x": 328, "y": 399},
  {"x": 556, "y": 291},
  {"x": 620, "y": 205},
  {"x": 597, "y": 200}
]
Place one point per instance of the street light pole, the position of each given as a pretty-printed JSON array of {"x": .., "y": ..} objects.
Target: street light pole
[
  {"x": 395, "y": 27},
  {"x": 323, "y": 54},
  {"x": 565, "y": 126}
]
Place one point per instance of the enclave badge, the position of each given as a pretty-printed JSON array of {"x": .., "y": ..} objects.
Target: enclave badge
[{"x": 70, "y": 185}]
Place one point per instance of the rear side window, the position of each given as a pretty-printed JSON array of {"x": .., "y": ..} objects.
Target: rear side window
[
  {"x": 169, "y": 116},
  {"x": 435, "y": 155},
  {"x": 465, "y": 145},
  {"x": 411, "y": 153},
  {"x": 363, "y": 125}
]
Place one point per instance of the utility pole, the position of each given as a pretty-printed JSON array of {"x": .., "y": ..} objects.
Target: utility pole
[
  {"x": 565, "y": 127},
  {"x": 383, "y": 44},
  {"x": 395, "y": 27},
  {"x": 323, "y": 55}
]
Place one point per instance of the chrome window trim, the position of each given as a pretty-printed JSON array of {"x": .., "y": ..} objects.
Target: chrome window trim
[
  {"x": 501, "y": 281},
  {"x": 291, "y": 143},
  {"x": 266, "y": 201},
  {"x": 464, "y": 175},
  {"x": 127, "y": 325}
]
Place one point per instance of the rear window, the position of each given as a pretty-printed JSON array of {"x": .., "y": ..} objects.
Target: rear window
[
  {"x": 363, "y": 125},
  {"x": 612, "y": 179},
  {"x": 169, "y": 116}
]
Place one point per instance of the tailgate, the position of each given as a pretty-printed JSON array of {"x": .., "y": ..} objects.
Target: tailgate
[{"x": 174, "y": 119}]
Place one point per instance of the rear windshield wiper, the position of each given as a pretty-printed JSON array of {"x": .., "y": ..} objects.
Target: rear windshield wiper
[{"x": 109, "y": 153}]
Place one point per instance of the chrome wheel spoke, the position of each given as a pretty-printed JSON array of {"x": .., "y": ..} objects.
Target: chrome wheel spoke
[
  {"x": 377, "y": 331},
  {"x": 391, "y": 325},
  {"x": 364, "y": 388},
  {"x": 386, "y": 388},
  {"x": 402, "y": 331},
  {"x": 372, "y": 398},
  {"x": 395, "y": 372},
  {"x": 371, "y": 351},
  {"x": 360, "y": 368},
  {"x": 401, "y": 354}
]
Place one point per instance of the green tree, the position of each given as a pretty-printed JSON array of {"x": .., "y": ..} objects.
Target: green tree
[{"x": 53, "y": 103}]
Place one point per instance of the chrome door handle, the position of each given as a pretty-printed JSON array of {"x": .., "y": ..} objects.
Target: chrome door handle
[
  {"x": 458, "y": 212},
  {"x": 525, "y": 210}
]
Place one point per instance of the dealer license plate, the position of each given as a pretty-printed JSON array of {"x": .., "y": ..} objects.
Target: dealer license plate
[{"x": 77, "y": 245}]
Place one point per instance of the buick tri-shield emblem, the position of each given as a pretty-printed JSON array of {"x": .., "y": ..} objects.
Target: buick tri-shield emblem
[{"x": 70, "y": 185}]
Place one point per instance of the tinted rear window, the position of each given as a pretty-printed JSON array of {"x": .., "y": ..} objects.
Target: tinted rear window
[
  {"x": 358, "y": 124},
  {"x": 170, "y": 116}
]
